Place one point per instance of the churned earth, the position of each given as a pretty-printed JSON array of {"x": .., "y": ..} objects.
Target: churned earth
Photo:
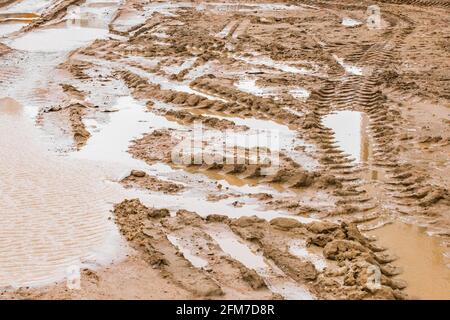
[{"x": 224, "y": 150}]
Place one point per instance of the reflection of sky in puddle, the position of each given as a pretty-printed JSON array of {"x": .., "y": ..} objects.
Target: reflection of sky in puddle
[
  {"x": 57, "y": 39},
  {"x": 7, "y": 28},
  {"x": 287, "y": 140},
  {"x": 300, "y": 93},
  {"x": 272, "y": 275},
  {"x": 346, "y": 126},
  {"x": 83, "y": 26},
  {"x": 187, "y": 253},
  {"x": 349, "y": 68},
  {"x": 144, "y": 61},
  {"x": 249, "y": 86},
  {"x": 36, "y": 6},
  {"x": 256, "y": 59},
  {"x": 199, "y": 71},
  {"x": 231, "y": 245},
  {"x": 178, "y": 67},
  {"x": 109, "y": 142},
  {"x": 298, "y": 248},
  {"x": 349, "y": 22},
  {"x": 245, "y": 7},
  {"x": 192, "y": 200}
]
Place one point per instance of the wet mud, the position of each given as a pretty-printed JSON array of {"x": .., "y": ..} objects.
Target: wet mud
[{"x": 101, "y": 103}]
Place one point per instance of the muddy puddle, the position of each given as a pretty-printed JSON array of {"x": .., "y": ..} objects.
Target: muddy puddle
[
  {"x": 8, "y": 28},
  {"x": 272, "y": 275},
  {"x": 110, "y": 139},
  {"x": 80, "y": 26},
  {"x": 284, "y": 140},
  {"x": 51, "y": 219},
  {"x": 57, "y": 39},
  {"x": 349, "y": 68},
  {"x": 299, "y": 249},
  {"x": 35, "y": 6},
  {"x": 196, "y": 261},
  {"x": 249, "y": 85},
  {"x": 421, "y": 257},
  {"x": 349, "y": 22},
  {"x": 108, "y": 147},
  {"x": 350, "y": 133}
]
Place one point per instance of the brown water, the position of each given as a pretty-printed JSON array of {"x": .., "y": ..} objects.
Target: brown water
[
  {"x": 350, "y": 133},
  {"x": 53, "y": 212},
  {"x": 420, "y": 256}
]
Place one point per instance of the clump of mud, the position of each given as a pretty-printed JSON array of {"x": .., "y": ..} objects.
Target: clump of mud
[
  {"x": 348, "y": 257},
  {"x": 140, "y": 179}
]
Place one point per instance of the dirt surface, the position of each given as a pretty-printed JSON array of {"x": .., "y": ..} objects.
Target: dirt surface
[{"x": 359, "y": 105}]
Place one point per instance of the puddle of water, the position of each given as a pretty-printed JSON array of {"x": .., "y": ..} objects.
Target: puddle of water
[
  {"x": 177, "y": 68},
  {"x": 246, "y": 7},
  {"x": 143, "y": 61},
  {"x": 349, "y": 68},
  {"x": 272, "y": 275},
  {"x": 286, "y": 139},
  {"x": 108, "y": 146},
  {"x": 250, "y": 86},
  {"x": 109, "y": 142},
  {"x": 199, "y": 71},
  {"x": 349, "y": 22},
  {"x": 18, "y": 17},
  {"x": 94, "y": 15},
  {"x": 350, "y": 133},
  {"x": 231, "y": 245},
  {"x": 191, "y": 200},
  {"x": 37, "y": 6},
  {"x": 161, "y": 35},
  {"x": 57, "y": 39},
  {"x": 187, "y": 253},
  {"x": 72, "y": 32},
  {"x": 11, "y": 22},
  {"x": 54, "y": 213},
  {"x": 289, "y": 290},
  {"x": 259, "y": 60},
  {"x": 129, "y": 19},
  {"x": 167, "y": 84},
  {"x": 420, "y": 256},
  {"x": 300, "y": 93},
  {"x": 31, "y": 78},
  {"x": 132, "y": 17},
  {"x": 8, "y": 28},
  {"x": 298, "y": 249}
]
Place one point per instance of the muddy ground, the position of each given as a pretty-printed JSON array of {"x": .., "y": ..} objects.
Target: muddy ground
[{"x": 352, "y": 202}]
